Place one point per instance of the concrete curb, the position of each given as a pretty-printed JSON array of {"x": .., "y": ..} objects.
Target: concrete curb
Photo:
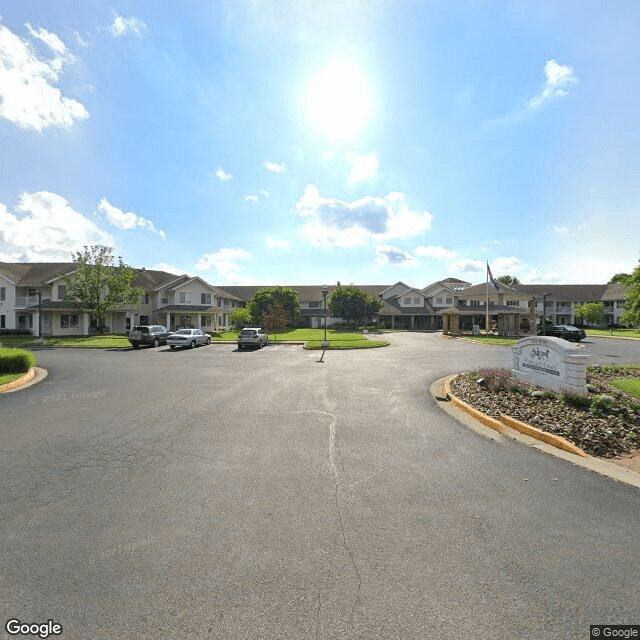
[
  {"x": 19, "y": 382},
  {"x": 33, "y": 376},
  {"x": 496, "y": 429}
]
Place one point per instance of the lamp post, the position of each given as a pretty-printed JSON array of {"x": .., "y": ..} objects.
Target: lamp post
[
  {"x": 544, "y": 313},
  {"x": 325, "y": 293}
]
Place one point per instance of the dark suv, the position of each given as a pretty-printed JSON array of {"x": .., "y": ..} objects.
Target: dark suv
[
  {"x": 152, "y": 334},
  {"x": 565, "y": 331}
]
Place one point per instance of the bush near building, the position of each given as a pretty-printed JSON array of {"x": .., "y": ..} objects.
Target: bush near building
[{"x": 16, "y": 361}]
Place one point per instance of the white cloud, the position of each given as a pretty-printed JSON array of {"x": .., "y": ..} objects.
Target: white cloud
[
  {"x": 251, "y": 198},
  {"x": 223, "y": 175},
  {"x": 28, "y": 95},
  {"x": 536, "y": 276},
  {"x": 44, "y": 228},
  {"x": 128, "y": 220},
  {"x": 264, "y": 193},
  {"x": 507, "y": 265},
  {"x": 278, "y": 244},
  {"x": 388, "y": 254},
  {"x": 363, "y": 166},
  {"x": 434, "y": 252},
  {"x": 333, "y": 222},
  {"x": 559, "y": 230},
  {"x": 225, "y": 262},
  {"x": 123, "y": 25},
  {"x": 274, "y": 167},
  {"x": 328, "y": 155},
  {"x": 558, "y": 80},
  {"x": 467, "y": 265},
  {"x": 170, "y": 268}
]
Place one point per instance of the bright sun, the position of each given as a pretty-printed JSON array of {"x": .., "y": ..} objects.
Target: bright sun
[{"x": 339, "y": 100}]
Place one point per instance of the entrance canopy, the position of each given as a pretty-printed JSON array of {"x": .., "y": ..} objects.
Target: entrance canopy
[{"x": 462, "y": 317}]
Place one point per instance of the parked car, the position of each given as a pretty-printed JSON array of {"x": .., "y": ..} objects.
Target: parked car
[
  {"x": 188, "y": 338},
  {"x": 252, "y": 337},
  {"x": 151, "y": 334},
  {"x": 564, "y": 331}
]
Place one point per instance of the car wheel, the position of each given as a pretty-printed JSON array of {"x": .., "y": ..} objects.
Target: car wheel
[
  {"x": 240, "y": 347},
  {"x": 156, "y": 343},
  {"x": 208, "y": 341},
  {"x": 135, "y": 345},
  {"x": 193, "y": 344},
  {"x": 172, "y": 347}
]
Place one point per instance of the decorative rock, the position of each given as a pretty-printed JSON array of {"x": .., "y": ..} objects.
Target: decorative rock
[
  {"x": 605, "y": 398},
  {"x": 537, "y": 393},
  {"x": 592, "y": 389},
  {"x": 482, "y": 382}
]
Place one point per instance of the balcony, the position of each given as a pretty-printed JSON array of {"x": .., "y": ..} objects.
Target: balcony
[{"x": 22, "y": 302}]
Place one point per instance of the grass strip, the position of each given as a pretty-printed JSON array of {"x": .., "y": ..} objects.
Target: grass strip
[{"x": 628, "y": 385}]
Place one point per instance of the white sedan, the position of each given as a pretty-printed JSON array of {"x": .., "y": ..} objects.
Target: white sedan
[{"x": 188, "y": 338}]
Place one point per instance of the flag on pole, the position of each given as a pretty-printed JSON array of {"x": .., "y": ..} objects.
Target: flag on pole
[{"x": 493, "y": 282}]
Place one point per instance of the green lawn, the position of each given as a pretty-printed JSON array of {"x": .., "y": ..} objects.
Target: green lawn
[
  {"x": 87, "y": 342},
  {"x": 628, "y": 385},
  {"x": 621, "y": 333},
  {"x": 9, "y": 377},
  {"x": 338, "y": 338}
]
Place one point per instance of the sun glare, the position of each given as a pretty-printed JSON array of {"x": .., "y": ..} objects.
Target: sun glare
[{"x": 339, "y": 100}]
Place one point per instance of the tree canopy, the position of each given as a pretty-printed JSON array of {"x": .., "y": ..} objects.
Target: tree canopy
[
  {"x": 353, "y": 304},
  {"x": 619, "y": 277},
  {"x": 509, "y": 280},
  {"x": 240, "y": 317},
  {"x": 631, "y": 314},
  {"x": 276, "y": 319},
  {"x": 268, "y": 298},
  {"x": 592, "y": 312},
  {"x": 99, "y": 285}
]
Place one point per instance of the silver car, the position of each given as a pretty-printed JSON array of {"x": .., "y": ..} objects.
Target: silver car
[
  {"x": 188, "y": 338},
  {"x": 252, "y": 337}
]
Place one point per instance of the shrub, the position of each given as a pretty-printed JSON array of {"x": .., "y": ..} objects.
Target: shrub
[
  {"x": 575, "y": 399},
  {"x": 16, "y": 360},
  {"x": 495, "y": 379},
  {"x": 602, "y": 405},
  {"x": 15, "y": 332}
]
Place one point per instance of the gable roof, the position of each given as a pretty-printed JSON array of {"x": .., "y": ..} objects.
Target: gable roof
[
  {"x": 306, "y": 293},
  {"x": 35, "y": 273}
]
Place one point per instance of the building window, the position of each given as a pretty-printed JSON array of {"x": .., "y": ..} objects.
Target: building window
[
  {"x": 205, "y": 298},
  {"x": 449, "y": 300},
  {"x": 164, "y": 300},
  {"x": 185, "y": 297},
  {"x": 416, "y": 302},
  {"x": 313, "y": 305},
  {"x": 407, "y": 300},
  {"x": 205, "y": 321},
  {"x": 32, "y": 292},
  {"x": 2, "y": 322},
  {"x": 144, "y": 319},
  {"x": 145, "y": 298},
  {"x": 2, "y": 293},
  {"x": 62, "y": 291},
  {"x": 68, "y": 320},
  {"x": 438, "y": 300}
]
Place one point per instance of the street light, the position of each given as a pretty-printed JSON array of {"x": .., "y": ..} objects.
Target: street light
[
  {"x": 544, "y": 313},
  {"x": 325, "y": 293}
]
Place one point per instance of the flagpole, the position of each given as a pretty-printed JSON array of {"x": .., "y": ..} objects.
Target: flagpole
[{"x": 486, "y": 320}]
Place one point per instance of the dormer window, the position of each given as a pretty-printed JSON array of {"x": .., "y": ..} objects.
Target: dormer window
[{"x": 205, "y": 298}]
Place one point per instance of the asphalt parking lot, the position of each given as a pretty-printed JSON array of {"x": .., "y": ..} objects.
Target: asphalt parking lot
[{"x": 212, "y": 493}]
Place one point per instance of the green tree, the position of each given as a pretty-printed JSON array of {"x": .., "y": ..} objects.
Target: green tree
[
  {"x": 99, "y": 285},
  {"x": 240, "y": 317},
  {"x": 592, "y": 312},
  {"x": 276, "y": 319},
  {"x": 353, "y": 304},
  {"x": 267, "y": 299},
  {"x": 509, "y": 280},
  {"x": 619, "y": 277},
  {"x": 631, "y": 314}
]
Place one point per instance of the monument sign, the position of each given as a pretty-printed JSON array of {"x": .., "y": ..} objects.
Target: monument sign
[{"x": 552, "y": 363}]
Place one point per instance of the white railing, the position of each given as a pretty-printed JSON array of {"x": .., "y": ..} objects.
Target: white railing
[{"x": 22, "y": 302}]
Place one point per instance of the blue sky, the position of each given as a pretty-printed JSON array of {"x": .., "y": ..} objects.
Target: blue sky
[{"x": 309, "y": 142}]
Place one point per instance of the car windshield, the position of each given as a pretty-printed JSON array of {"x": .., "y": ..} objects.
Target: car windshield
[
  {"x": 184, "y": 332},
  {"x": 141, "y": 329}
]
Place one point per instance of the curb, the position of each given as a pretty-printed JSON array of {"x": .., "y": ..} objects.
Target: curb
[
  {"x": 497, "y": 429},
  {"x": 19, "y": 382},
  {"x": 508, "y": 421}
]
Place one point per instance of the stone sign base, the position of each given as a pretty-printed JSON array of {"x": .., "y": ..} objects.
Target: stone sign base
[{"x": 552, "y": 363}]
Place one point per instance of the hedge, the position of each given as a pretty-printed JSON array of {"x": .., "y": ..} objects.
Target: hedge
[
  {"x": 15, "y": 332},
  {"x": 16, "y": 360}
]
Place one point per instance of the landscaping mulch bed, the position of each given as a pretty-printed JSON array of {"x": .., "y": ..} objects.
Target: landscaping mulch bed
[{"x": 604, "y": 422}]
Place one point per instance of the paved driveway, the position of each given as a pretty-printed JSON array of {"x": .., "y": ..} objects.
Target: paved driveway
[{"x": 222, "y": 494}]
